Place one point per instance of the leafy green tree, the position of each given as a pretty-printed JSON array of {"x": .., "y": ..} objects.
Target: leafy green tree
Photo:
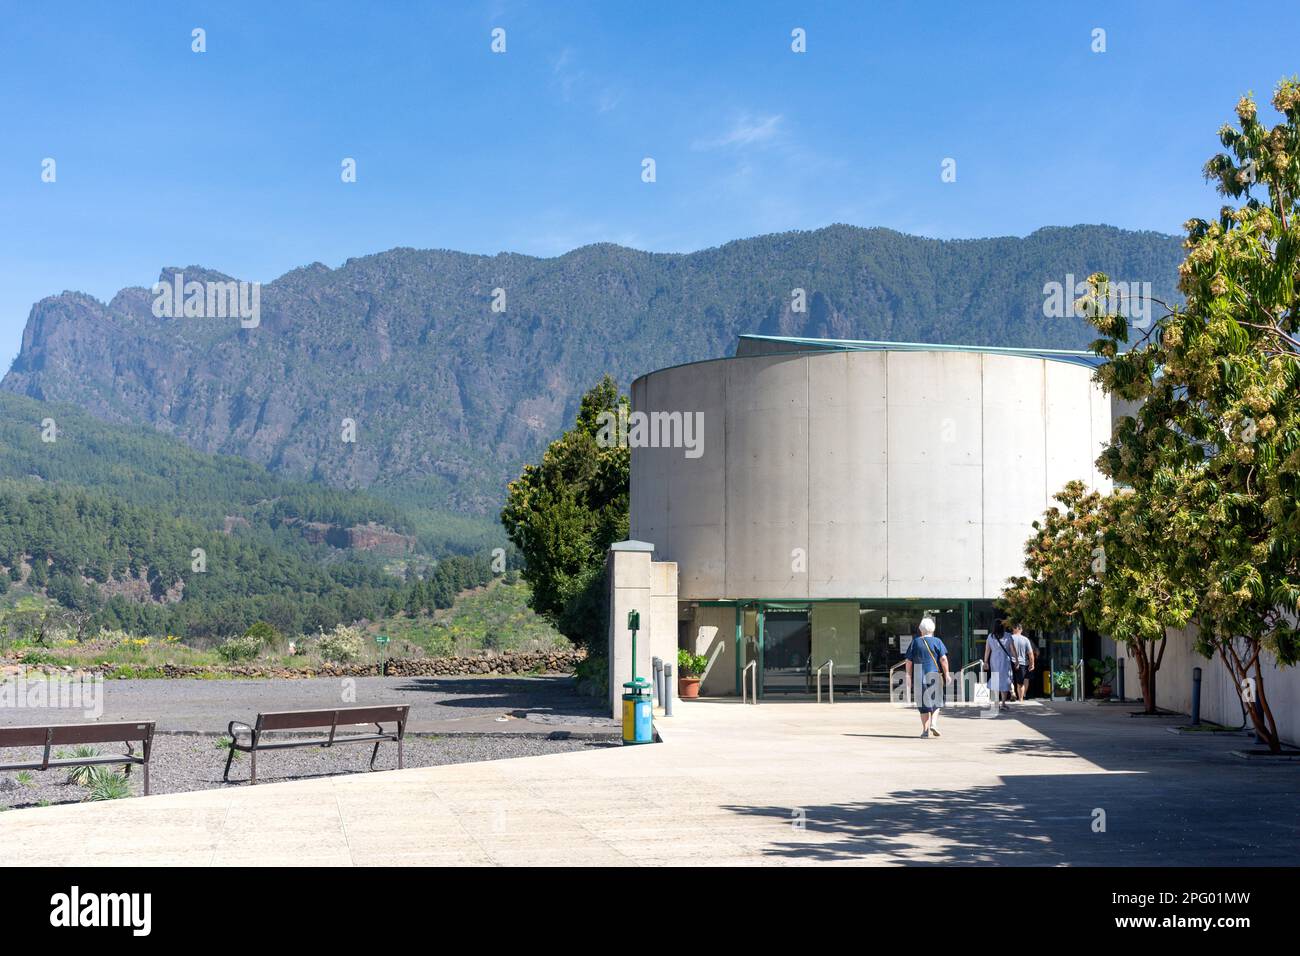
[
  {"x": 1216, "y": 433},
  {"x": 563, "y": 514}
]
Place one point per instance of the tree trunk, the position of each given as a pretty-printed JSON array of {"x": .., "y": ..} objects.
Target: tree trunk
[
  {"x": 1148, "y": 663},
  {"x": 1261, "y": 715}
]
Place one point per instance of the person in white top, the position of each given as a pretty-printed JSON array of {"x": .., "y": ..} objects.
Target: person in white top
[{"x": 997, "y": 661}]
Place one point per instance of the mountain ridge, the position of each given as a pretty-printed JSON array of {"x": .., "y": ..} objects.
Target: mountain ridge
[{"x": 449, "y": 397}]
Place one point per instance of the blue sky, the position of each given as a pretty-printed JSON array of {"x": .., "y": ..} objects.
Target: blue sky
[{"x": 231, "y": 158}]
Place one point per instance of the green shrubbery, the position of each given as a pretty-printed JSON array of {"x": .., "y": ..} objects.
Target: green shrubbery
[{"x": 242, "y": 648}]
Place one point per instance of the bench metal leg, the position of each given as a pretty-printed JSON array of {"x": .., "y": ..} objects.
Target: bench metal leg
[
  {"x": 373, "y": 754},
  {"x": 146, "y": 779},
  {"x": 225, "y": 777},
  {"x": 252, "y": 777},
  {"x": 399, "y": 753}
]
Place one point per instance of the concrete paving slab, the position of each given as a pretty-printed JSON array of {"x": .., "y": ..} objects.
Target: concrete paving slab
[{"x": 779, "y": 784}]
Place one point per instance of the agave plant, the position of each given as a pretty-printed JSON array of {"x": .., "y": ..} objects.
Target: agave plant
[
  {"x": 105, "y": 784},
  {"x": 79, "y": 775}
]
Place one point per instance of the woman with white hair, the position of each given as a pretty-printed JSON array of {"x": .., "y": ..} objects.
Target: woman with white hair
[{"x": 927, "y": 654}]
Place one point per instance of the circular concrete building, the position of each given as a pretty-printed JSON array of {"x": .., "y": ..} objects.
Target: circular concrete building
[{"x": 819, "y": 497}]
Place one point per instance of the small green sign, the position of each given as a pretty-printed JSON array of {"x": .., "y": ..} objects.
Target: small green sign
[
  {"x": 634, "y": 620},
  {"x": 381, "y": 640}
]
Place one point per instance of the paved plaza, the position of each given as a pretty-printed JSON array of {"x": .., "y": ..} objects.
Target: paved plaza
[{"x": 777, "y": 783}]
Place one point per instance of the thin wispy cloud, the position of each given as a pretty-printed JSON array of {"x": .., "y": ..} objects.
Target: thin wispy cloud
[
  {"x": 745, "y": 131},
  {"x": 576, "y": 83}
]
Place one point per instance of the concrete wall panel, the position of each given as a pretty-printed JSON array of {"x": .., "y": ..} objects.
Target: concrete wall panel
[
  {"x": 695, "y": 500},
  {"x": 715, "y": 638},
  {"x": 1068, "y": 427},
  {"x": 767, "y": 471},
  {"x": 648, "y": 519},
  {"x": 1101, "y": 431},
  {"x": 847, "y": 506}
]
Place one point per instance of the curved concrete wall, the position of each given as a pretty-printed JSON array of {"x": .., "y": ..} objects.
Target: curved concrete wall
[{"x": 861, "y": 474}]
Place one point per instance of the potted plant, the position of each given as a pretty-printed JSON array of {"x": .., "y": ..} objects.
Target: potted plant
[
  {"x": 1062, "y": 683},
  {"x": 690, "y": 668},
  {"x": 1105, "y": 670}
]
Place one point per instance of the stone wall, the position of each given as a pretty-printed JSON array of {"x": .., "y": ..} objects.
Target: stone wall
[
  {"x": 520, "y": 662},
  {"x": 517, "y": 663}
]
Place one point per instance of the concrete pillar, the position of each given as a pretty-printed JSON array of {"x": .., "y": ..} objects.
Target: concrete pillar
[
  {"x": 636, "y": 582},
  {"x": 629, "y": 581}
]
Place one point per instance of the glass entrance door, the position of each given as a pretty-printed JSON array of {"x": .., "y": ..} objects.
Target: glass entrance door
[
  {"x": 864, "y": 640},
  {"x": 886, "y": 630},
  {"x": 787, "y": 652}
]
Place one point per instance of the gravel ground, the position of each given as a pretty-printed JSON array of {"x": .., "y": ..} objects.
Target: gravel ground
[
  {"x": 183, "y": 762},
  {"x": 438, "y": 704}
]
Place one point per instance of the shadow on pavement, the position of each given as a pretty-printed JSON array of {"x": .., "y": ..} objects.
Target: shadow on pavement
[
  {"x": 1164, "y": 800},
  {"x": 538, "y": 695}
]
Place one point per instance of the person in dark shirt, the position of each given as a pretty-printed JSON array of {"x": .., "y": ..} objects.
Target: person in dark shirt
[
  {"x": 1023, "y": 662},
  {"x": 928, "y": 658}
]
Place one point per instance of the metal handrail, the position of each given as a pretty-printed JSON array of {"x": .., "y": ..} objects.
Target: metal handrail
[
  {"x": 830, "y": 682},
  {"x": 961, "y": 680},
  {"x": 907, "y": 686},
  {"x": 745, "y": 681}
]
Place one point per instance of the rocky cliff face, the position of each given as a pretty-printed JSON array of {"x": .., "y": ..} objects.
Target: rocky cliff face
[
  {"x": 362, "y": 537},
  {"x": 395, "y": 369}
]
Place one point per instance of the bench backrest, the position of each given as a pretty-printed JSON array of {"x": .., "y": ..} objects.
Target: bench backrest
[
  {"x": 334, "y": 717},
  {"x": 61, "y": 734}
]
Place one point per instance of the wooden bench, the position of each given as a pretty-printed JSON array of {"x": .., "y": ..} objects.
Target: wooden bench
[
  {"x": 49, "y": 736},
  {"x": 317, "y": 720}
]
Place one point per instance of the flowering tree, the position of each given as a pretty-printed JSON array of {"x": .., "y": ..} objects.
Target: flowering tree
[
  {"x": 1103, "y": 561},
  {"x": 1214, "y": 445},
  {"x": 1059, "y": 589}
]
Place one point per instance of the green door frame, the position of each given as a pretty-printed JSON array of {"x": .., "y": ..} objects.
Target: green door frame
[{"x": 740, "y": 648}]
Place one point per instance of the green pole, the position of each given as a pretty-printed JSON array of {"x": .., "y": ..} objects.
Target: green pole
[{"x": 634, "y": 624}]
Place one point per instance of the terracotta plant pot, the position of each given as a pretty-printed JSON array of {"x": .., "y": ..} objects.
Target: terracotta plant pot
[
  {"x": 1103, "y": 691},
  {"x": 688, "y": 688}
]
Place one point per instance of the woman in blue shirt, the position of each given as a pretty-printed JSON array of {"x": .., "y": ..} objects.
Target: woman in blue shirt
[{"x": 930, "y": 657}]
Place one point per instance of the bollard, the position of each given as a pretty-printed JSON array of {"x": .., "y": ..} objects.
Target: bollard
[
  {"x": 668, "y": 690},
  {"x": 1120, "y": 682},
  {"x": 1196, "y": 696},
  {"x": 657, "y": 664}
]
